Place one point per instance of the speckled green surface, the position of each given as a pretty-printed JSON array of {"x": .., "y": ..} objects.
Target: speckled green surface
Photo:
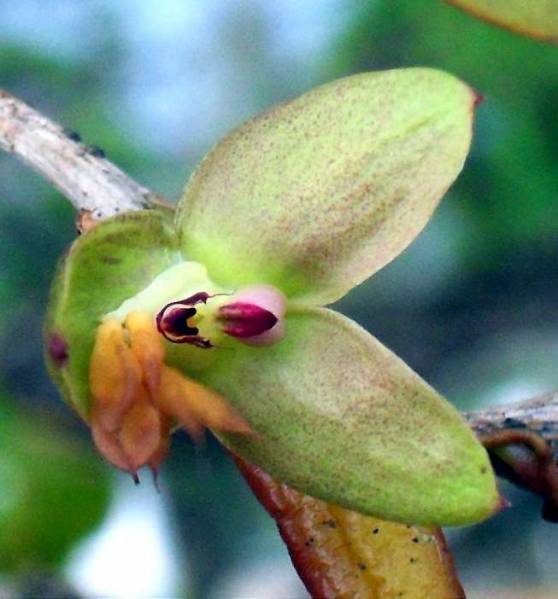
[
  {"x": 345, "y": 420},
  {"x": 112, "y": 262},
  {"x": 317, "y": 194}
]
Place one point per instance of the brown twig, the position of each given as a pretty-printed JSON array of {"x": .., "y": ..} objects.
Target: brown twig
[
  {"x": 340, "y": 554},
  {"x": 93, "y": 184},
  {"x": 538, "y": 415},
  {"x": 523, "y": 441}
]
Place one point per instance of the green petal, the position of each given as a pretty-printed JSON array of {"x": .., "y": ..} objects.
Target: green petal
[
  {"x": 111, "y": 263},
  {"x": 319, "y": 193},
  {"x": 343, "y": 419},
  {"x": 534, "y": 18}
]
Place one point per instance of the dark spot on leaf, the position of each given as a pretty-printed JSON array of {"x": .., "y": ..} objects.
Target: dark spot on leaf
[
  {"x": 415, "y": 540},
  {"x": 110, "y": 260},
  {"x": 331, "y": 523},
  {"x": 58, "y": 349},
  {"x": 361, "y": 566},
  {"x": 376, "y": 531}
]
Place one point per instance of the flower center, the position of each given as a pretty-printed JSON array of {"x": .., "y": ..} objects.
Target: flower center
[
  {"x": 177, "y": 321},
  {"x": 138, "y": 393},
  {"x": 190, "y": 308}
]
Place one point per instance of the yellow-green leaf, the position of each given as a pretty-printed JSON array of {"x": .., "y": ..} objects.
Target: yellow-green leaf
[{"x": 534, "y": 18}]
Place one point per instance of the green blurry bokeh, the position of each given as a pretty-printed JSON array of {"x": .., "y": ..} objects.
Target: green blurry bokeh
[{"x": 53, "y": 490}]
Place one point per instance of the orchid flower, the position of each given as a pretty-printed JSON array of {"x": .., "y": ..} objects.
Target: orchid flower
[{"x": 213, "y": 316}]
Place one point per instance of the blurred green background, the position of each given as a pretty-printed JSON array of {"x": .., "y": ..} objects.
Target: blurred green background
[{"x": 471, "y": 305}]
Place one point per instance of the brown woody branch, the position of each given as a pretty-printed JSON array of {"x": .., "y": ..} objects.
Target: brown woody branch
[
  {"x": 92, "y": 183},
  {"x": 97, "y": 187},
  {"x": 538, "y": 415}
]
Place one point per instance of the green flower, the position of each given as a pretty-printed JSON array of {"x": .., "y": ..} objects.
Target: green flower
[{"x": 212, "y": 317}]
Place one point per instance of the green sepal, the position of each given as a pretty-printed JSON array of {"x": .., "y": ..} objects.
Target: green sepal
[
  {"x": 104, "y": 267},
  {"x": 341, "y": 418},
  {"x": 319, "y": 193}
]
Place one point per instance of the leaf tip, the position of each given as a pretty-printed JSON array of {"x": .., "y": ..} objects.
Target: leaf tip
[{"x": 478, "y": 98}]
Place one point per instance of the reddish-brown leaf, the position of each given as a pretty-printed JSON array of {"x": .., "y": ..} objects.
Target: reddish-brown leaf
[{"x": 340, "y": 554}]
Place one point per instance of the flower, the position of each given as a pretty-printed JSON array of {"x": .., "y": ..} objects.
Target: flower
[{"x": 212, "y": 317}]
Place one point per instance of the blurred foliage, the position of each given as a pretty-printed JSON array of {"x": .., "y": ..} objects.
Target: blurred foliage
[
  {"x": 53, "y": 490},
  {"x": 537, "y": 19},
  {"x": 219, "y": 521}
]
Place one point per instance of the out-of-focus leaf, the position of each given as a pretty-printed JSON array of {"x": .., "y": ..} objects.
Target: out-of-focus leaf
[
  {"x": 52, "y": 493},
  {"x": 340, "y": 554},
  {"x": 534, "y": 18}
]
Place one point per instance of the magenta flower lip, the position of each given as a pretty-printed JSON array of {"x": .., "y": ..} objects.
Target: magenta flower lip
[{"x": 243, "y": 319}]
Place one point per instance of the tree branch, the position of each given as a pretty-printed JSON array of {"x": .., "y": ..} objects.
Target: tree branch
[
  {"x": 80, "y": 172},
  {"x": 97, "y": 186},
  {"x": 538, "y": 415}
]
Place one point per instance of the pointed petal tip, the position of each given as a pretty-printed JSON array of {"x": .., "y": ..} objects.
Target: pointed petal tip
[
  {"x": 478, "y": 98},
  {"x": 155, "y": 478},
  {"x": 195, "y": 431},
  {"x": 503, "y": 504},
  {"x": 233, "y": 423},
  {"x": 240, "y": 426}
]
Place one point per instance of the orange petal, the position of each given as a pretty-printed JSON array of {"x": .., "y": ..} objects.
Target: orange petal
[
  {"x": 140, "y": 435},
  {"x": 147, "y": 346},
  {"x": 165, "y": 399},
  {"x": 191, "y": 402},
  {"x": 108, "y": 445},
  {"x": 114, "y": 375}
]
